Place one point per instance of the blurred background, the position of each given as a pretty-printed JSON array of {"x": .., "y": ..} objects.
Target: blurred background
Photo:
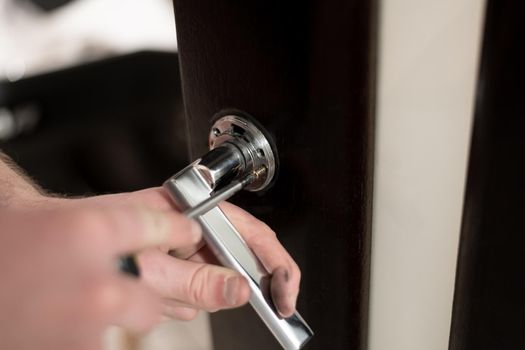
[
  {"x": 90, "y": 103},
  {"x": 90, "y": 99}
]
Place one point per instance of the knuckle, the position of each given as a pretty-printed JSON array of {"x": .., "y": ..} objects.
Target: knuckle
[
  {"x": 268, "y": 232},
  {"x": 260, "y": 240},
  {"x": 260, "y": 226},
  {"x": 299, "y": 274},
  {"x": 262, "y": 234},
  {"x": 257, "y": 224},
  {"x": 197, "y": 286},
  {"x": 296, "y": 271}
]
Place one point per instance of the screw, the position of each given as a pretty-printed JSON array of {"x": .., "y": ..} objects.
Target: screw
[{"x": 261, "y": 171}]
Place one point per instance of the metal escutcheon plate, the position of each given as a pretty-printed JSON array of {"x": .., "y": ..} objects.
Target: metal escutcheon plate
[{"x": 253, "y": 143}]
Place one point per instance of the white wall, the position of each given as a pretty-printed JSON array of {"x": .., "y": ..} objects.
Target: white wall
[
  {"x": 427, "y": 73},
  {"x": 33, "y": 41}
]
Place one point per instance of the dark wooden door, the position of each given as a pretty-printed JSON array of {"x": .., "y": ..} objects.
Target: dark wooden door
[
  {"x": 306, "y": 71},
  {"x": 490, "y": 283}
]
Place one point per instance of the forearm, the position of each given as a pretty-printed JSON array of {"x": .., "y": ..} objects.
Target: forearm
[{"x": 16, "y": 189}]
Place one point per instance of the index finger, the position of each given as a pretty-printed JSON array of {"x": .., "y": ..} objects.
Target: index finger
[
  {"x": 111, "y": 231},
  {"x": 263, "y": 241}
]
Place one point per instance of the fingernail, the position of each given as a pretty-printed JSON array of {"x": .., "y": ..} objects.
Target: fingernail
[
  {"x": 196, "y": 231},
  {"x": 286, "y": 309},
  {"x": 230, "y": 291}
]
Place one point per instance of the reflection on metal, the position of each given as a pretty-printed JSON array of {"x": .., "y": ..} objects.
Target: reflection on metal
[
  {"x": 250, "y": 141},
  {"x": 222, "y": 195},
  {"x": 240, "y": 152}
]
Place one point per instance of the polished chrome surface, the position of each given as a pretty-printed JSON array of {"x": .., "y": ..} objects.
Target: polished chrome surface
[
  {"x": 221, "y": 165},
  {"x": 252, "y": 142},
  {"x": 219, "y": 196},
  {"x": 188, "y": 189},
  {"x": 241, "y": 156}
]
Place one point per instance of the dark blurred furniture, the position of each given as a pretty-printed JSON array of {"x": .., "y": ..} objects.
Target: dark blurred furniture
[{"x": 106, "y": 126}]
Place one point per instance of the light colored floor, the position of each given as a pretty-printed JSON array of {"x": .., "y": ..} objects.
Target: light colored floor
[
  {"x": 32, "y": 41},
  {"x": 179, "y": 335},
  {"x": 174, "y": 335}
]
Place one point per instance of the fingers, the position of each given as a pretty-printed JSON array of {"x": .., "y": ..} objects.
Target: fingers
[
  {"x": 180, "y": 313},
  {"x": 124, "y": 302},
  {"x": 174, "y": 309},
  {"x": 286, "y": 275},
  {"x": 204, "y": 255},
  {"x": 187, "y": 251},
  {"x": 155, "y": 197},
  {"x": 284, "y": 293},
  {"x": 112, "y": 231},
  {"x": 259, "y": 237},
  {"x": 198, "y": 285}
]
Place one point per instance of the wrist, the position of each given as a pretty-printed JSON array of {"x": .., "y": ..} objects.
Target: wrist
[
  {"x": 26, "y": 198},
  {"x": 23, "y": 200},
  {"x": 17, "y": 190}
]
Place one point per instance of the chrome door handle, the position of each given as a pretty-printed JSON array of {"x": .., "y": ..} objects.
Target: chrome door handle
[{"x": 240, "y": 151}]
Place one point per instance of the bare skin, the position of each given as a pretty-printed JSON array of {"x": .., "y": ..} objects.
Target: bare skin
[{"x": 60, "y": 254}]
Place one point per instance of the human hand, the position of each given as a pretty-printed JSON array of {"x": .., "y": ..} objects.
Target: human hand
[
  {"x": 60, "y": 285},
  {"x": 191, "y": 280}
]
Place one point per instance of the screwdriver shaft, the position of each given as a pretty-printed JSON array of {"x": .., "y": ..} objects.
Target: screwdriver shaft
[{"x": 221, "y": 195}]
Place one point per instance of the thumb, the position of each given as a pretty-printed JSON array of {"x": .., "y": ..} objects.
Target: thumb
[{"x": 202, "y": 286}]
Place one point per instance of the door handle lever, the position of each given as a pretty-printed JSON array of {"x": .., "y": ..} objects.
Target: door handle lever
[
  {"x": 240, "y": 157},
  {"x": 222, "y": 195}
]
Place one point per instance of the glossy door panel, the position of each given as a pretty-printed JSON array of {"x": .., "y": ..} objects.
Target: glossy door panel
[{"x": 305, "y": 70}]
